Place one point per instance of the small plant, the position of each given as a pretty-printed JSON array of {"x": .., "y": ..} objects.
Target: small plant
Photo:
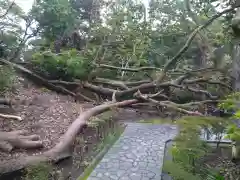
[
  {"x": 233, "y": 131},
  {"x": 189, "y": 150},
  {"x": 40, "y": 171}
]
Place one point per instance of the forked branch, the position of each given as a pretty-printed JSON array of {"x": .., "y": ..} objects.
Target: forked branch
[{"x": 172, "y": 62}]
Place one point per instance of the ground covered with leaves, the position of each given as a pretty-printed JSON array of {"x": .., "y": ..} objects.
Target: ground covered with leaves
[
  {"x": 44, "y": 113},
  {"x": 48, "y": 115}
]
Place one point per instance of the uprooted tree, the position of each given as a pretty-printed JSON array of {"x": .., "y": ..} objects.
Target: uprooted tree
[{"x": 129, "y": 60}]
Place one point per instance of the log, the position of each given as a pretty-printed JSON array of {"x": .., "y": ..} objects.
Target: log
[
  {"x": 42, "y": 81},
  {"x": 18, "y": 139},
  {"x": 62, "y": 148},
  {"x": 7, "y": 116}
]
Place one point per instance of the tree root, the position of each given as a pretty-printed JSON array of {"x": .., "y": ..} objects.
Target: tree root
[{"x": 18, "y": 139}]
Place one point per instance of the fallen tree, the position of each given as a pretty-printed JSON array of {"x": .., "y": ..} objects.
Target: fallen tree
[{"x": 160, "y": 92}]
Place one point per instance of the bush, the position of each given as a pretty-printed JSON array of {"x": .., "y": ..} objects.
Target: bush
[
  {"x": 38, "y": 172},
  {"x": 7, "y": 79},
  {"x": 68, "y": 65},
  {"x": 189, "y": 150}
]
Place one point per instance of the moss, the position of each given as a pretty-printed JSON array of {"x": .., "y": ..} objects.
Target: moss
[{"x": 45, "y": 89}]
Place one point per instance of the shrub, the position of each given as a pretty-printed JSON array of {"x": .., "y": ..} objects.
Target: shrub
[
  {"x": 38, "y": 172},
  {"x": 7, "y": 79},
  {"x": 68, "y": 65}
]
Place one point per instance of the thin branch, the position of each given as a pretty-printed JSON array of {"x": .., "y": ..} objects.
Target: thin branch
[
  {"x": 128, "y": 69},
  {"x": 64, "y": 82},
  {"x": 167, "y": 105},
  {"x": 191, "y": 104},
  {"x": 172, "y": 62},
  {"x": 43, "y": 81},
  {"x": 114, "y": 97},
  {"x": 7, "y": 116},
  {"x": 24, "y": 39},
  {"x": 207, "y": 81},
  {"x": 208, "y": 94},
  {"x": 158, "y": 94},
  {"x": 110, "y": 82},
  {"x": 9, "y": 8}
]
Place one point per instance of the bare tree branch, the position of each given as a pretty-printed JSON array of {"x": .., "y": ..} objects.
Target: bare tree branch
[
  {"x": 208, "y": 81},
  {"x": 128, "y": 69},
  {"x": 172, "y": 62},
  {"x": 7, "y": 116},
  {"x": 9, "y": 8},
  {"x": 167, "y": 105}
]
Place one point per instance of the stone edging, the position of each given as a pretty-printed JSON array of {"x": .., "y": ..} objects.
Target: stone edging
[
  {"x": 98, "y": 158},
  {"x": 94, "y": 163}
]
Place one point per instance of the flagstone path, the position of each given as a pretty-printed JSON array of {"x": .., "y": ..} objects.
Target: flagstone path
[{"x": 137, "y": 155}]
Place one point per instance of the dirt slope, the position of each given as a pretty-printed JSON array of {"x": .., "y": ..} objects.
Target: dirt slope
[
  {"x": 44, "y": 113},
  {"x": 48, "y": 115}
]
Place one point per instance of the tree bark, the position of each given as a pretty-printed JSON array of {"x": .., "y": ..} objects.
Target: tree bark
[{"x": 18, "y": 139}]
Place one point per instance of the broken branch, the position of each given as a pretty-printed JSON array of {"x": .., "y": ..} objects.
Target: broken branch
[
  {"x": 172, "y": 62},
  {"x": 167, "y": 105},
  {"x": 128, "y": 69},
  {"x": 7, "y": 116},
  {"x": 8, "y": 9}
]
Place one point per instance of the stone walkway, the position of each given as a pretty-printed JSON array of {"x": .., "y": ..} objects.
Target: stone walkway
[{"x": 137, "y": 155}]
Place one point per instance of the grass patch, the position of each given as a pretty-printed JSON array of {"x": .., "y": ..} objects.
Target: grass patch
[
  {"x": 40, "y": 171},
  {"x": 102, "y": 148}
]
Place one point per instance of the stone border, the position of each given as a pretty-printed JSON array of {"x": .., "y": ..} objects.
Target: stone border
[
  {"x": 98, "y": 158},
  {"x": 137, "y": 155},
  {"x": 94, "y": 162},
  {"x": 167, "y": 156}
]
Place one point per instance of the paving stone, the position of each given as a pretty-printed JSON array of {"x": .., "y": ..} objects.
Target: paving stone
[{"x": 137, "y": 155}]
